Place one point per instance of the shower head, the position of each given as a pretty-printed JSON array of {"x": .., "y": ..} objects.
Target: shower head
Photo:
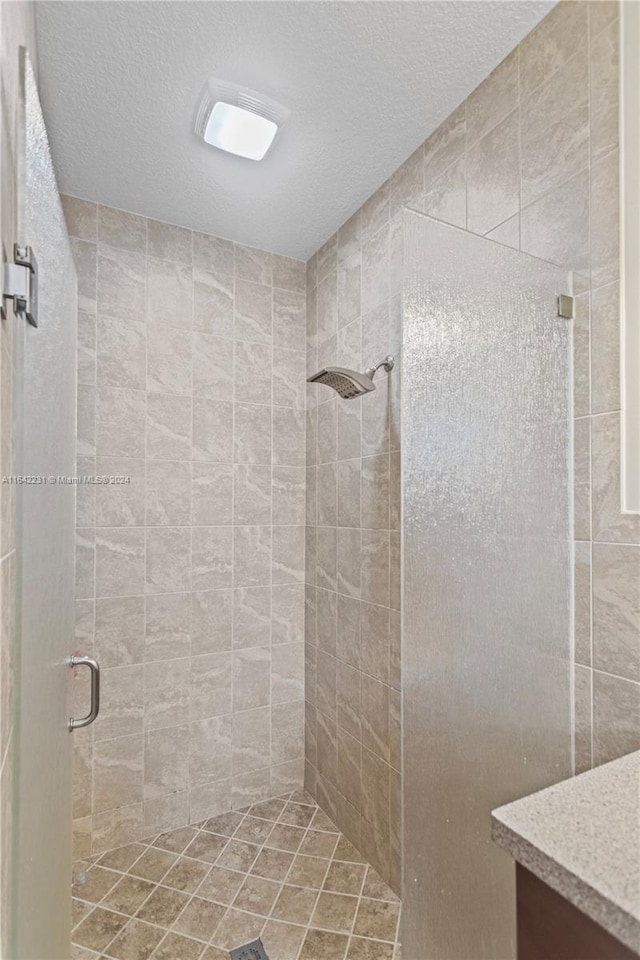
[{"x": 350, "y": 384}]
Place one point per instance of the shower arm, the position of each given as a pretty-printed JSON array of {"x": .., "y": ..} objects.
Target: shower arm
[{"x": 387, "y": 363}]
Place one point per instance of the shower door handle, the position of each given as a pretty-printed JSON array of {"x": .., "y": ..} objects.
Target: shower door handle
[{"x": 95, "y": 691}]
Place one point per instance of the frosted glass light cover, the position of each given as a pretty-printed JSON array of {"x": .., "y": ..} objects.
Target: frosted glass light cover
[
  {"x": 486, "y": 650},
  {"x": 239, "y": 131}
]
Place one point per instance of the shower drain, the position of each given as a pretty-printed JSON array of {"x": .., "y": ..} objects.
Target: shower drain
[{"x": 250, "y": 951}]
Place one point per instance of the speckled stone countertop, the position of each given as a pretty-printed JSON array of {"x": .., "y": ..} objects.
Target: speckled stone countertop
[{"x": 582, "y": 838}]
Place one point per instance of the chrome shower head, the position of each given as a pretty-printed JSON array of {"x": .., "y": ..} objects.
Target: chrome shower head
[{"x": 348, "y": 383}]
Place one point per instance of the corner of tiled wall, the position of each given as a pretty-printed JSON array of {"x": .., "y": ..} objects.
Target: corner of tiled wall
[
  {"x": 189, "y": 577},
  {"x": 530, "y": 159}
]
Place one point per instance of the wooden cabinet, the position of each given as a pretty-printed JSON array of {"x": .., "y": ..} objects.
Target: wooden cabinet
[{"x": 551, "y": 928}]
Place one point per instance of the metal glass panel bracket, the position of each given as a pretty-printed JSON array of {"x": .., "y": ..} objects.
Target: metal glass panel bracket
[{"x": 21, "y": 283}]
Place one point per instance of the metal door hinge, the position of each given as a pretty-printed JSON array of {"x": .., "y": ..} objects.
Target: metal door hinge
[
  {"x": 21, "y": 284},
  {"x": 565, "y": 306}
]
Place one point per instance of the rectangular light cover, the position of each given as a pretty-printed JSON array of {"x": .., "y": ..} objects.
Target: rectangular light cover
[{"x": 239, "y": 131}]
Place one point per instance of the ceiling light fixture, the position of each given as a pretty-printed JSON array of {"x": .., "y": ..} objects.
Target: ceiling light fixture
[{"x": 238, "y": 120}]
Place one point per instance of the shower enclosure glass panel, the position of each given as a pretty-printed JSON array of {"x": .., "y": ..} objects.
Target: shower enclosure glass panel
[
  {"x": 45, "y": 418},
  {"x": 486, "y": 597}
]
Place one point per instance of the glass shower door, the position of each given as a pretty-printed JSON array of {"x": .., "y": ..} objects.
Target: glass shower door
[
  {"x": 486, "y": 597},
  {"x": 45, "y": 417}
]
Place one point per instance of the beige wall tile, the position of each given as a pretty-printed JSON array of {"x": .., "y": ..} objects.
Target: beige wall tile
[
  {"x": 493, "y": 176},
  {"x": 117, "y": 228},
  {"x": 496, "y": 97},
  {"x": 605, "y": 349},
  {"x": 616, "y": 609},
  {"x": 552, "y": 43},
  {"x": 616, "y": 708}
]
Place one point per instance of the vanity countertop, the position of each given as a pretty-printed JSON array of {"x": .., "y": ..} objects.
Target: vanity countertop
[{"x": 582, "y": 838}]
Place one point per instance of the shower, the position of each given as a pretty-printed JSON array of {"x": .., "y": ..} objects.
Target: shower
[{"x": 349, "y": 383}]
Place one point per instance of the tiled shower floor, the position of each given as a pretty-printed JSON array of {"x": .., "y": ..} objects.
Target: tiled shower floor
[{"x": 281, "y": 871}]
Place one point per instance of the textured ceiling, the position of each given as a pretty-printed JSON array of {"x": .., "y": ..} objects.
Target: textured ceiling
[{"x": 366, "y": 82}]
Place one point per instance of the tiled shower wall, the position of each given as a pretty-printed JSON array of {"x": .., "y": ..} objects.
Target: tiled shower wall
[
  {"x": 189, "y": 576},
  {"x": 16, "y": 30},
  {"x": 531, "y": 160}
]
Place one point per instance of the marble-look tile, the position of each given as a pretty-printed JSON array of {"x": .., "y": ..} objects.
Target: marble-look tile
[
  {"x": 288, "y": 436},
  {"x": 168, "y": 294},
  {"x": 445, "y": 145},
  {"x": 120, "y": 561},
  {"x": 325, "y": 259},
  {"x": 253, "y": 264},
  {"x": 211, "y": 494},
  {"x": 605, "y": 349},
  {"x": 211, "y": 621},
  {"x": 117, "y": 228},
  {"x": 555, "y": 130},
  {"x": 568, "y": 204},
  {"x": 250, "y": 739},
  {"x": 348, "y": 561},
  {"x": 169, "y": 360},
  {"x": 122, "y": 707},
  {"x": 121, "y": 283},
  {"x": 168, "y": 488},
  {"x": 213, "y": 304},
  {"x": 86, "y": 354},
  {"x": 166, "y": 695},
  {"x": 446, "y": 197},
  {"x": 120, "y": 422},
  {"x": 609, "y": 524},
  {"x": 605, "y": 221},
  {"x": 168, "y": 242},
  {"x": 289, "y": 389},
  {"x": 603, "y": 91},
  {"x": 119, "y": 630},
  {"x": 582, "y": 356},
  {"x": 289, "y": 274},
  {"x": 250, "y": 678},
  {"x": 253, "y": 312},
  {"x": 288, "y": 494},
  {"x": 212, "y": 255},
  {"x": 493, "y": 177},
  {"x": 85, "y": 259},
  {"x": 213, "y": 434},
  {"x": 81, "y": 217},
  {"x": 121, "y": 351},
  {"x": 210, "y": 685},
  {"x": 251, "y": 555},
  {"x": 287, "y": 613},
  {"x": 167, "y": 632},
  {"x": 375, "y": 566},
  {"x": 210, "y": 750},
  {"x": 287, "y": 672},
  {"x": 288, "y": 554},
  {"x": 375, "y": 269},
  {"x": 496, "y": 97},
  {"x": 117, "y": 772},
  {"x": 552, "y": 43},
  {"x": 289, "y": 319},
  {"x": 582, "y": 602},
  {"x": 507, "y": 233},
  {"x": 211, "y": 557},
  {"x": 168, "y": 560},
  {"x": 120, "y": 502},
  {"x": 616, "y": 709},
  {"x": 169, "y": 424},
  {"x": 251, "y": 433},
  {"x": 287, "y": 736},
  {"x": 252, "y": 372},
  {"x": 166, "y": 762},
  {"x": 582, "y": 490},
  {"x": 616, "y": 609}
]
